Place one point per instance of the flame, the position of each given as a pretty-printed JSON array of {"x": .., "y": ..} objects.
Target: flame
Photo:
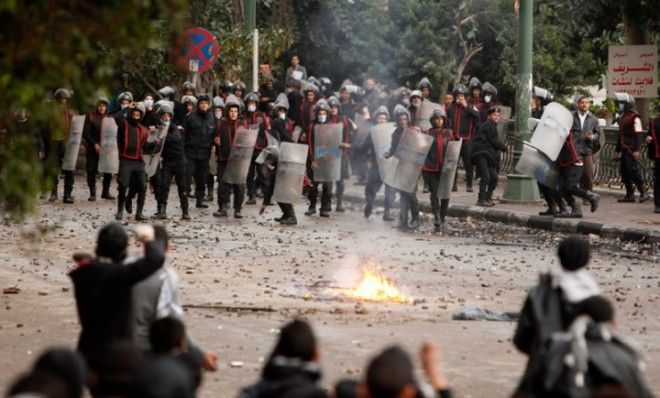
[{"x": 374, "y": 286}]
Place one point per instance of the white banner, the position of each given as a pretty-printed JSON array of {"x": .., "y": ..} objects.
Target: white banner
[{"x": 633, "y": 70}]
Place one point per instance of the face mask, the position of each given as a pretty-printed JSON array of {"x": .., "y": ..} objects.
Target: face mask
[
  {"x": 322, "y": 118},
  {"x": 251, "y": 108},
  {"x": 289, "y": 90},
  {"x": 218, "y": 114},
  {"x": 622, "y": 106},
  {"x": 149, "y": 104},
  {"x": 406, "y": 101},
  {"x": 165, "y": 123},
  {"x": 487, "y": 98},
  {"x": 282, "y": 116},
  {"x": 123, "y": 106}
]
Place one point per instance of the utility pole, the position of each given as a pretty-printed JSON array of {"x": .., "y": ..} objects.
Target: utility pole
[
  {"x": 250, "y": 27},
  {"x": 520, "y": 188}
]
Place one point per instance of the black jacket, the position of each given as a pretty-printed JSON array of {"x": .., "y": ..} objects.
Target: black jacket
[
  {"x": 282, "y": 129},
  {"x": 92, "y": 131},
  {"x": 103, "y": 297},
  {"x": 285, "y": 381},
  {"x": 199, "y": 132},
  {"x": 436, "y": 157},
  {"x": 628, "y": 139},
  {"x": 174, "y": 147},
  {"x": 463, "y": 120},
  {"x": 226, "y": 130},
  {"x": 486, "y": 143},
  {"x": 396, "y": 136},
  {"x": 654, "y": 133}
]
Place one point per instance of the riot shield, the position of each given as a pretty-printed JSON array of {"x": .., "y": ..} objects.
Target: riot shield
[
  {"x": 423, "y": 114},
  {"x": 327, "y": 153},
  {"x": 503, "y": 124},
  {"x": 291, "y": 169},
  {"x": 411, "y": 154},
  {"x": 213, "y": 164},
  {"x": 381, "y": 137},
  {"x": 449, "y": 165},
  {"x": 240, "y": 156},
  {"x": 535, "y": 164},
  {"x": 295, "y": 136},
  {"x": 363, "y": 126},
  {"x": 152, "y": 160},
  {"x": 73, "y": 143},
  {"x": 552, "y": 130},
  {"x": 109, "y": 152},
  {"x": 272, "y": 141}
]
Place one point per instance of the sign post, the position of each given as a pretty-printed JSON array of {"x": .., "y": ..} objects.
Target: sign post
[{"x": 198, "y": 51}]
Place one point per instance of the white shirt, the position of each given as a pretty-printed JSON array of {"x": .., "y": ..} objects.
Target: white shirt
[{"x": 583, "y": 117}]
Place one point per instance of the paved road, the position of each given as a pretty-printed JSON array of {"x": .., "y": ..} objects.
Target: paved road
[{"x": 276, "y": 273}]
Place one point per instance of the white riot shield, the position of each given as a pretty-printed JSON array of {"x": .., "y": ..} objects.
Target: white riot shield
[
  {"x": 411, "y": 153},
  {"x": 327, "y": 153},
  {"x": 423, "y": 114},
  {"x": 240, "y": 156},
  {"x": 213, "y": 164},
  {"x": 503, "y": 124},
  {"x": 272, "y": 141},
  {"x": 291, "y": 169},
  {"x": 73, "y": 143},
  {"x": 109, "y": 152},
  {"x": 152, "y": 160},
  {"x": 381, "y": 137},
  {"x": 449, "y": 165},
  {"x": 552, "y": 130},
  {"x": 295, "y": 136},
  {"x": 363, "y": 127},
  {"x": 537, "y": 165}
]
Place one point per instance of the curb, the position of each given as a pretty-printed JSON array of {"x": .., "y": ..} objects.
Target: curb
[{"x": 522, "y": 219}]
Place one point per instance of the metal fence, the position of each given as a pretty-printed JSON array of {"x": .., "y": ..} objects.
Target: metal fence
[{"x": 606, "y": 170}]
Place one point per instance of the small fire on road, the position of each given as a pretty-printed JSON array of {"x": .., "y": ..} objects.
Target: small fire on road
[{"x": 375, "y": 286}]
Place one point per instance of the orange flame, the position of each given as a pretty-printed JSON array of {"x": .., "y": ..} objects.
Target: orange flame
[{"x": 374, "y": 286}]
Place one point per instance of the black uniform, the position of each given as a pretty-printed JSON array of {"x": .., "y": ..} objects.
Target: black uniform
[
  {"x": 313, "y": 192},
  {"x": 570, "y": 170},
  {"x": 344, "y": 175},
  {"x": 58, "y": 132},
  {"x": 374, "y": 182},
  {"x": 630, "y": 142},
  {"x": 173, "y": 165},
  {"x": 254, "y": 179},
  {"x": 92, "y": 136},
  {"x": 486, "y": 157},
  {"x": 432, "y": 170},
  {"x": 281, "y": 130},
  {"x": 464, "y": 121},
  {"x": 199, "y": 132},
  {"x": 408, "y": 200},
  {"x": 226, "y": 131}
]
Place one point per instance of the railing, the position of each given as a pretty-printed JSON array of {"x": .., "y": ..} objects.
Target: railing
[{"x": 606, "y": 170}]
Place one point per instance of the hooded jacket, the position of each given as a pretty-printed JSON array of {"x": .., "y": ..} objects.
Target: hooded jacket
[
  {"x": 486, "y": 143},
  {"x": 436, "y": 156},
  {"x": 199, "y": 132}
]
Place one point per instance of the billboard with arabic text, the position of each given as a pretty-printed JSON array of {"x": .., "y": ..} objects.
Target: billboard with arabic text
[{"x": 633, "y": 70}]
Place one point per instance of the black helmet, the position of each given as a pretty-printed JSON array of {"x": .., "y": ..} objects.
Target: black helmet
[
  {"x": 187, "y": 86},
  {"x": 460, "y": 89},
  {"x": 204, "y": 97},
  {"x": 251, "y": 97},
  {"x": 424, "y": 83}
]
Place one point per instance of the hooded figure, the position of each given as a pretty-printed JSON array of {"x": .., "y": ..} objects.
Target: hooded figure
[
  {"x": 92, "y": 136},
  {"x": 463, "y": 119},
  {"x": 425, "y": 86}
]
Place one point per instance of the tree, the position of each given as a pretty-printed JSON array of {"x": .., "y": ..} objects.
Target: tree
[{"x": 60, "y": 43}]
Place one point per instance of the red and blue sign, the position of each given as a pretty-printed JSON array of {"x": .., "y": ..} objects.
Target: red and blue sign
[{"x": 199, "y": 45}]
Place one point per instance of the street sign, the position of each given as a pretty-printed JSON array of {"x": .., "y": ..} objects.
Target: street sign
[
  {"x": 632, "y": 70},
  {"x": 199, "y": 47}
]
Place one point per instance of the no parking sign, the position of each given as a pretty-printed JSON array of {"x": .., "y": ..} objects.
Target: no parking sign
[{"x": 198, "y": 50}]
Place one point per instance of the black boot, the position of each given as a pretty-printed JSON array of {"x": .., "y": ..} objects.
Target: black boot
[
  {"x": 251, "y": 201},
  {"x": 184, "y": 208},
  {"x": 482, "y": 200},
  {"x": 489, "y": 198},
  {"x": 469, "y": 187},
  {"x": 339, "y": 207},
  {"x": 92, "y": 193},
  {"x": 576, "y": 211},
  {"x": 368, "y": 209},
  {"x": 222, "y": 211},
  {"x": 594, "y": 199},
  {"x": 311, "y": 211},
  {"x": 68, "y": 198},
  {"x": 630, "y": 195},
  {"x": 120, "y": 208},
  {"x": 161, "y": 214},
  {"x": 140, "y": 206}
]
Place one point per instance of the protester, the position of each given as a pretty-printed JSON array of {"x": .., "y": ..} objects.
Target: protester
[{"x": 293, "y": 367}]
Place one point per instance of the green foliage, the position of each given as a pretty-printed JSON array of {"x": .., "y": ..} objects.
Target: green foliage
[{"x": 60, "y": 43}]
